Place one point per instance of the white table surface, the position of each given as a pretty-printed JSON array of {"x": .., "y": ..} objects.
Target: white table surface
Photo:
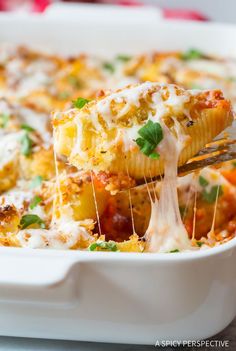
[{"x": 23, "y": 344}]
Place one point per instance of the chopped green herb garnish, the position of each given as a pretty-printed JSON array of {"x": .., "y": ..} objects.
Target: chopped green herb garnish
[
  {"x": 30, "y": 219},
  {"x": 203, "y": 181},
  {"x": 196, "y": 86},
  {"x": 74, "y": 82},
  {"x": 109, "y": 67},
  {"x": 147, "y": 148},
  {"x": 232, "y": 79},
  {"x": 192, "y": 54},
  {"x": 4, "y": 119},
  {"x": 234, "y": 164},
  {"x": 26, "y": 145},
  {"x": 151, "y": 135},
  {"x": 37, "y": 181},
  {"x": 124, "y": 58},
  {"x": 211, "y": 196},
  {"x": 80, "y": 102},
  {"x": 63, "y": 95},
  {"x": 199, "y": 243},
  {"x": 35, "y": 201},
  {"x": 27, "y": 128},
  {"x": 173, "y": 251},
  {"x": 104, "y": 245}
]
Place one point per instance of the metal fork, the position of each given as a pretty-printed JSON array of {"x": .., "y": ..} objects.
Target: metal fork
[
  {"x": 214, "y": 153},
  {"x": 220, "y": 150}
]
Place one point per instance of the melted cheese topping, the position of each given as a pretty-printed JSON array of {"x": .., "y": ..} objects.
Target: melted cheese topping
[
  {"x": 16, "y": 197},
  {"x": 9, "y": 147},
  {"x": 31, "y": 85},
  {"x": 166, "y": 231},
  {"x": 131, "y": 96},
  {"x": 65, "y": 235}
]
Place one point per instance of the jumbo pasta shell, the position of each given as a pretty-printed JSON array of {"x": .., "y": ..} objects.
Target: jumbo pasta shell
[{"x": 101, "y": 136}]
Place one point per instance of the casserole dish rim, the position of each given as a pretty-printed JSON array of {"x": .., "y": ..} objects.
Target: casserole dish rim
[
  {"x": 44, "y": 290},
  {"x": 165, "y": 25},
  {"x": 75, "y": 255}
]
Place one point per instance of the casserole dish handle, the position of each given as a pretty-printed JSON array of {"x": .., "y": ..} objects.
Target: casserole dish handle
[{"x": 37, "y": 279}]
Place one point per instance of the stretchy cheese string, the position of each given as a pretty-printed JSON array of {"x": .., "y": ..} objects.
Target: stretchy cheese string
[
  {"x": 153, "y": 186},
  {"x": 148, "y": 190},
  {"x": 96, "y": 204},
  {"x": 187, "y": 205},
  {"x": 211, "y": 233},
  {"x": 194, "y": 214},
  {"x": 130, "y": 201}
]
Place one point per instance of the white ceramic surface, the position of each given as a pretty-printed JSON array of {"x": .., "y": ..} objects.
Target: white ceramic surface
[{"x": 116, "y": 297}]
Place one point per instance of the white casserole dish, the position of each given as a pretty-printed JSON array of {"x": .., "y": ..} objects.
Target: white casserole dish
[{"x": 116, "y": 297}]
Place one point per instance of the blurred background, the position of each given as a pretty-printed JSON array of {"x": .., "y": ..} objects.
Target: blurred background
[{"x": 216, "y": 10}]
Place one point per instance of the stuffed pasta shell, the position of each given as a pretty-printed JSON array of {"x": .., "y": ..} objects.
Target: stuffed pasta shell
[{"x": 124, "y": 131}]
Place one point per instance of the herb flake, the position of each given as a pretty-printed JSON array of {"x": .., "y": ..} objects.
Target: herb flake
[
  {"x": 74, "y": 82},
  {"x": 80, "y": 102},
  {"x": 63, "y": 95},
  {"x": 192, "y": 54},
  {"x": 211, "y": 196},
  {"x": 109, "y": 67},
  {"x": 199, "y": 243},
  {"x": 35, "y": 201},
  {"x": 27, "y": 128},
  {"x": 174, "y": 251},
  {"x": 4, "y": 120},
  {"x": 150, "y": 136},
  {"x": 26, "y": 145},
  {"x": 203, "y": 181},
  {"x": 104, "y": 245},
  {"x": 30, "y": 219},
  {"x": 123, "y": 58}
]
